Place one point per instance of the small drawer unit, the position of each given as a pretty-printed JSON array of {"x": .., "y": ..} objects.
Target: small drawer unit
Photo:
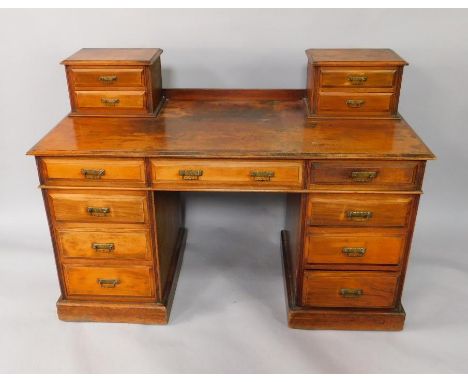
[
  {"x": 353, "y": 83},
  {"x": 125, "y": 82}
]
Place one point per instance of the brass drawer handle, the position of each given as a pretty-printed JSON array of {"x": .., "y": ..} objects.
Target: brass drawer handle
[
  {"x": 359, "y": 215},
  {"x": 190, "y": 174},
  {"x": 103, "y": 247},
  {"x": 363, "y": 176},
  {"x": 357, "y": 79},
  {"x": 108, "y": 283},
  {"x": 98, "y": 211},
  {"x": 349, "y": 292},
  {"x": 262, "y": 176},
  {"x": 355, "y": 103},
  {"x": 110, "y": 101},
  {"x": 108, "y": 79},
  {"x": 354, "y": 251},
  {"x": 93, "y": 174}
]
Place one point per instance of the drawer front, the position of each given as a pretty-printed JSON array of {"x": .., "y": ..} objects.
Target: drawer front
[
  {"x": 107, "y": 77},
  {"x": 391, "y": 175},
  {"x": 104, "y": 244},
  {"x": 94, "y": 172},
  {"x": 111, "y": 100},
  {"x": 108, "y": 281},
  {"x": 348, "y": 246},
  {"x": 105, "y": 207},
  {"x": 358, "y": 78},
  {"x": 359, "y": 210},
  {"x": 355, "y": 103},
  {"x": 349, "y": 289},
  {"x": 217, "y": 174}
]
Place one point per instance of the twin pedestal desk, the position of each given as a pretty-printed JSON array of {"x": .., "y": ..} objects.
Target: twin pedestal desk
[{"x": 112, "y": 172}]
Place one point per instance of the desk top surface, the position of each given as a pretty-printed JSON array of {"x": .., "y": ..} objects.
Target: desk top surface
[{"x": 228, "y": 124}]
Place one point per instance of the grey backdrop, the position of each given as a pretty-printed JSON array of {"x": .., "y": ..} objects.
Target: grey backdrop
[{"x": 229, "y": 310}]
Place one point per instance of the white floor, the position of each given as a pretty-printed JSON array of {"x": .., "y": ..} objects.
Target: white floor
[{"x": 229, "y": 309}]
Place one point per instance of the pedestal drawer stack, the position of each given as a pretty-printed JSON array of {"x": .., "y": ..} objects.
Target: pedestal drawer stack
[
  {"x": 102, "y": 232},
  {"x": 359, "y": 222}
]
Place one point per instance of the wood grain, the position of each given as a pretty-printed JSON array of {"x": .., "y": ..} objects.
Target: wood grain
[{"x": 233, "y": 129}]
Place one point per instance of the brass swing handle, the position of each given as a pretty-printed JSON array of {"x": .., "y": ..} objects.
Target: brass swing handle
[
  {"x": 355, "y": 103},
  {"x": 108, "y": 79},
  {"x": 262, "y": 176},
  {"x": 93, "y": 173},
  {"x": 108, "y": 283},
  {"x": 103, "y": 247},
  {"x": 190, "y": 174},
  {"x": 349, "y": 292},
  {"x": 357, "y": 79},
  {"x": 359, "y": 215},
  {"x": 354, "y": 251},
  {"x": 363, "y": 176},
  {"x": 98, "y": 211},
  {"x": 110, "y": 101}
]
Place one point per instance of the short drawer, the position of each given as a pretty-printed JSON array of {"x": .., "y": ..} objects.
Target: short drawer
[
  {"x": 222, "y": 173},
  {"x": 107, "y": 77},
  {"x": 80, "y": 281},
  {"x": 110, "y": 101},
  {"x": 349, "y": 289},
  {"x": 98, "y": 207},
  {"x": 353, "y": 246},
  {"x": 357, "y": 78},
  {"x": 359, "y": 210},
  {"x": 93, "y": 172},
  {"x": 365, "y": 175},
  {"x": 104, "y": 244},
  {"x": 355, "y": 103}
]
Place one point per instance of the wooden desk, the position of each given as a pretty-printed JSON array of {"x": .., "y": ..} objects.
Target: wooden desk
[{"x": 111, "y": 188}]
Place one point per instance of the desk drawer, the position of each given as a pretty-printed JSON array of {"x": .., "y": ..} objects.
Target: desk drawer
[
  {"x": 136, "y": 281},
  {"x": 365, "y": 175},
  {"x": 227, "y": 173},
  {"x": 107, "y": 77},
  {"x": 93, "y": 172},
  {"x": 357, "y": 78},
  {"x": 104, "y": 243},
  {"x": 111, "y": 100},
  {"x": 349, "y": 289},
  {"x": 98, "y": 207},
  {"x": 354, "y": 103},
  {"x": 359, "y": 210},
  {"x": 352, "y": 246}
]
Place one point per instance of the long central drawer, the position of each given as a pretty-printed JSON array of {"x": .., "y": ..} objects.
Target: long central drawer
[{"x": 226, "y": 173}]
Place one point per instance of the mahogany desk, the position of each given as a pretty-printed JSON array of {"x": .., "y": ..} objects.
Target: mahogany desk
[{"x": 112, "y": 187}]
